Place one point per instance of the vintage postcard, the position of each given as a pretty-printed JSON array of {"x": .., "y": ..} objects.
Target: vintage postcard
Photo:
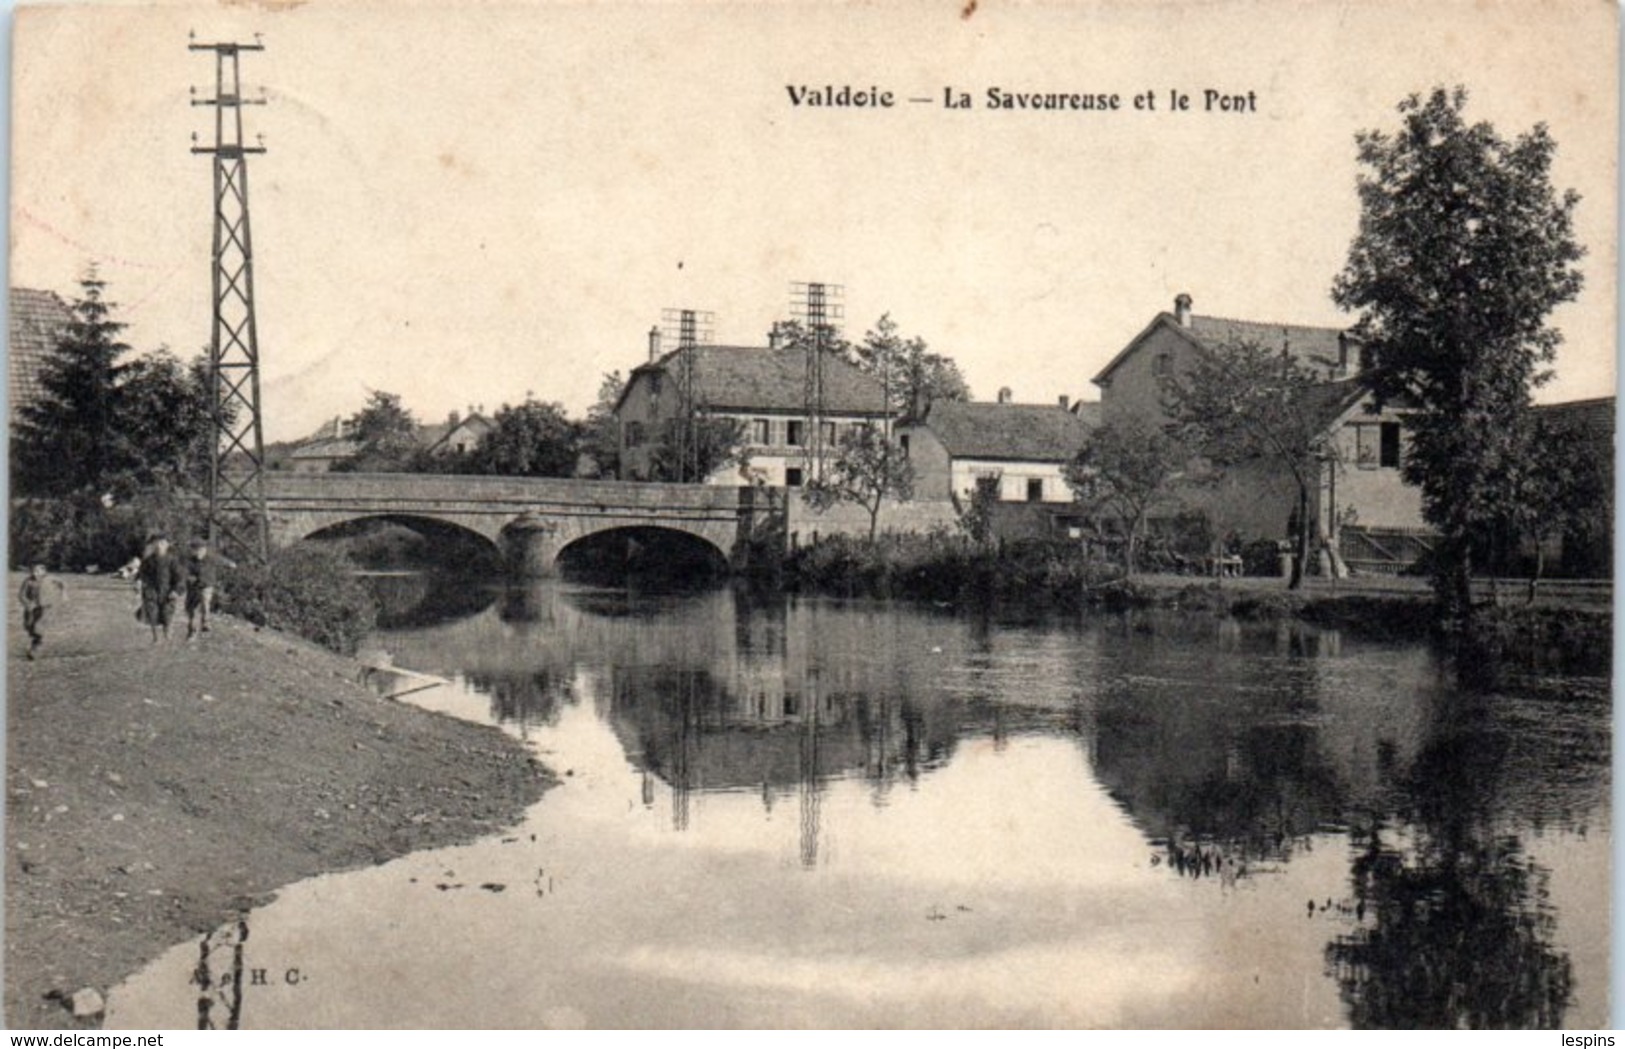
[{"x": 972, "y": 514}]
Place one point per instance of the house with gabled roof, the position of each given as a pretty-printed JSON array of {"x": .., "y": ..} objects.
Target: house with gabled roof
[
  {"x": 35, "y": 319},
  {"x": 762, "y": 387},
  {"x": 1022, "y": 448},
  {"x": 1359, "y": 500}
]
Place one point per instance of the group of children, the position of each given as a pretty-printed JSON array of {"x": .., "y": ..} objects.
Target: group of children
[{"x": 160, "y": 578}]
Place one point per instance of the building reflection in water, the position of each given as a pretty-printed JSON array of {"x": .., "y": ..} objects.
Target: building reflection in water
[{"x": 1232, "y": 747}]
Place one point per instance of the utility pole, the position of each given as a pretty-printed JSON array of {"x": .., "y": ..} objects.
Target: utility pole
[
  {"x": 237, "y": 456},
  {"x": 811, "y": 303},
  {"x": 685, "y": 325}
]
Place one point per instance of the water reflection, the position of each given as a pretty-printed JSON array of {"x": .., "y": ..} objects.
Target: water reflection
[{"x": 1256, "y": 825}]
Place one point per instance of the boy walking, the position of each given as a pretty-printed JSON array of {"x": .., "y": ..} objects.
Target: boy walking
[
  {"x": 35, "y": 602},
  {"x": 161, "y": 580},
  {"x": 202, "y": 575}
]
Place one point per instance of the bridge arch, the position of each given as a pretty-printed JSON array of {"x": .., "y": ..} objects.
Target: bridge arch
[
  {"x": 647, "y": 549},
  {"x": 339, "y": 525}
]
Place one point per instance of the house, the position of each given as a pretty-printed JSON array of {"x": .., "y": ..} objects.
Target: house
[
  {"x": 458, "y": 435},
  {"x": 35, "y": 321},
  {"x": 325, "y": 448},
  {"x": 1358, "y": 497},
  {"x": 333, "y": 442},
  {"x": 762, "y": 387},
  {"x": 1023, "y": 448}
]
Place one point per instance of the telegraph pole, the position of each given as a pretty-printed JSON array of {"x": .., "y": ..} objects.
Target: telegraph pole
[
  {"x": 811, "y": 302},
  {"x": 237, "y": 454},
  {"x": 686, "y": 325}
]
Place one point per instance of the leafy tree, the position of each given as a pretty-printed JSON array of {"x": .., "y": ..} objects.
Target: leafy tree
[
  {"x": 1561, "y": 488},
  {"x": 1464, "y": 249},
  {"x": 711, "y": 442},
  {"x": 867, "y": 469},
  {"x": 976, "y": 513},
  {"x": 104, "y": 426},
  {"x": 910, "y": 373},
  {"x": 1242, "y": 403},
  {"x": 601, "y": 433},
  {"x": 386, "y": 434},
  {"x": 533, "y": 439},
  {"x": 795, "y": 335},
  {"x": 1125, "y": 470}
]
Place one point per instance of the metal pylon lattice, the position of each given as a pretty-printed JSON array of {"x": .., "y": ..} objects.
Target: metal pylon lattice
[
  {"x": 690, "y": 328},
  {"x": 237, "y": 511},
  {"x": 818, "y": 307}
]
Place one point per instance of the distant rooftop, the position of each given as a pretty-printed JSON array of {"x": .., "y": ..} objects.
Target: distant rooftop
[
  {"x": 759, "y": 378},
  {"x": 36, "y": 320},
  {"x": 1014, "y": 432}
]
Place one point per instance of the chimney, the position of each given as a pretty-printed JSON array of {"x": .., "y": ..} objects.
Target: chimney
[
  {"x": 1343, "y": 353},
  {"x": 338, "y": 428},
  {"x": 654, "y": 344},
  {"x": 1004, "y": 395},
  {"x": 1182, "y": 310},
  {"x": 1065, "y": 402},
  {"x": 452, "y": 419},
  {"x": 775, "y": 337}
]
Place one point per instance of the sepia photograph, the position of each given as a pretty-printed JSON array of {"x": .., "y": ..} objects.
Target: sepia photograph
[{"x": 795, "y": 514}]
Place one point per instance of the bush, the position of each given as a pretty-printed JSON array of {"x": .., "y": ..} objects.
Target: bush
[
  {"x": 943, "y": 566},
  {"x": 304, "y": 590},
  {"x": 77, "y": 532}
]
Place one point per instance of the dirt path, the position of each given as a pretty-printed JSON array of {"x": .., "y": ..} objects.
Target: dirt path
[{"x": 153, "y": 791}]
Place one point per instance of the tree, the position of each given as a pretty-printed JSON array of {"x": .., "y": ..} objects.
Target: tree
[
  {"x": 386, "y": 434},
  {"x": 1242, "y": 403},
  {"x": 64, "y": 440},
  {"x": 1561, "y": 488},
  {"x": 910, "y": 373},
  {"x": 688, "y": 449},
  {"x": 1464, "y": 249},
  {"x": 601, "y": 433},
  {"x": 165, "y": 432},
  {"x": 102, "y": 426},
  {"x": 867, "y": 470},
  {"x": 533, "y": 439},
  {"x": 1125, "y": 470}
]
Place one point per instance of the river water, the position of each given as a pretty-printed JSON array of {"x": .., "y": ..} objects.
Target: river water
[{"x": 809, "y": 812}]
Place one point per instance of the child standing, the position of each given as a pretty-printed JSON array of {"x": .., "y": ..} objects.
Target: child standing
[
  {"x": 202, "y": 575},
  {"x": 35, "y": 601}
]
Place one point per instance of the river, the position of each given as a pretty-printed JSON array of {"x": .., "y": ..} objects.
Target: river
[{"x": 791, "y": 812}]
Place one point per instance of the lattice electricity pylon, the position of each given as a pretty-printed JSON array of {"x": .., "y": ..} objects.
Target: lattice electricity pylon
[
  {"x": 689, "y": 328},
  {"x": 817, "y": 306},
  {"x": 237, "y": 457}
]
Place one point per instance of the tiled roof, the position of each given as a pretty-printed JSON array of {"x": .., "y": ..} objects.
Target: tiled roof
[
  {"x": 1315, "y": 348},
  {"x": 328, "y": 448},
  {"x": 1045, "y": 433},
  {"x": 752, "y": 378},
  {"x": 35, "y": 320}
]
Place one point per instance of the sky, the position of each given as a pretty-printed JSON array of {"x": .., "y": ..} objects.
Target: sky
[{"x": 468, "y": 205}]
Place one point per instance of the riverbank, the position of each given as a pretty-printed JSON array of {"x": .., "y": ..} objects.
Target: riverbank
[
  {"x": 152, "y": 792},
  {"x": 1568, "y": 628}
]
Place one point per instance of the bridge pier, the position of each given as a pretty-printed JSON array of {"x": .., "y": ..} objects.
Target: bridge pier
[{"x": 531, "y": 546}]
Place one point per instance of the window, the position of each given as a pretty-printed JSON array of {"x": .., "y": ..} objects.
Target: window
[
  {"x": 654, "y": 384},
  {"x": 762, "y": 431},
  {"x": 1365, "y": 447},
  {"x": 792, "y": 477},
  {"x": 902, "y": 442},
  {"x": 792, "y": 432},
  {"x": 1163, "y": 365},
  {"x": 829, "y": 433},
  {"x": 634, "y": 433},
  {"x": 1035, "y": 489},
  {"x": 1390, "y": 444}
]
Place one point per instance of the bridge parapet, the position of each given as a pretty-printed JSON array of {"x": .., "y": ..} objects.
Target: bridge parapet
[{"x": 553, "y": 512}]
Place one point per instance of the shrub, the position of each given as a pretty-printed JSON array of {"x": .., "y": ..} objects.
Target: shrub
[
  {"x": 78, "y": 531},
  {"x": 305, "y": 590}
]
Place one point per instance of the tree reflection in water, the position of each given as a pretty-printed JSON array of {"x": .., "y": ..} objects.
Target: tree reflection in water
[{"x": 1454, "y": 929}]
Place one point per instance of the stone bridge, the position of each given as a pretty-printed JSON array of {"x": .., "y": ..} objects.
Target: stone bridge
[{"x": 530, "y": 519}]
